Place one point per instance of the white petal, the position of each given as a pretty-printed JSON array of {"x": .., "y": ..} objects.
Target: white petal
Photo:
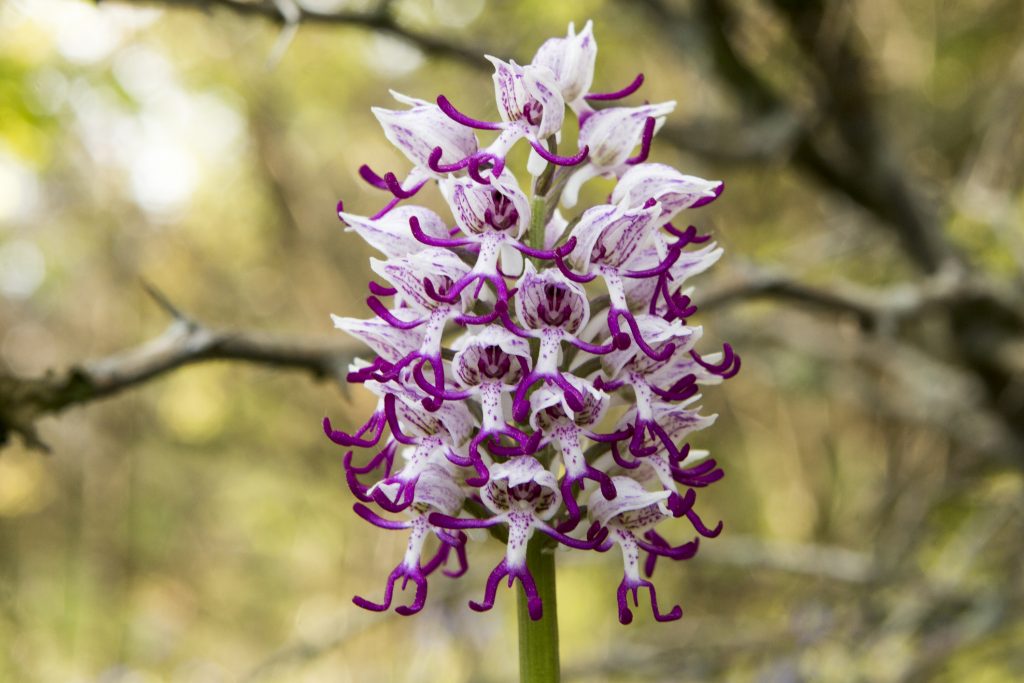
[
  {"x": 417, "y": 131},
  {"x": 391, "y": 234},
  {"x": 672, "y": 189},
  {"x": 612, "y": 134},
  {"x": 388, "y": 342},
  {"x": 633, "y": 507},
  {"x": 571, "y": 60}
]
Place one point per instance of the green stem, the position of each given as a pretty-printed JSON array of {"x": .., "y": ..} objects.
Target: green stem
[
  {"x": 538, "y": 209},
  {"x": 538, "y": 640}
]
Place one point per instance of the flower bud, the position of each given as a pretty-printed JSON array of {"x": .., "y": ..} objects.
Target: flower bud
[{"x": 571, "y": 60}]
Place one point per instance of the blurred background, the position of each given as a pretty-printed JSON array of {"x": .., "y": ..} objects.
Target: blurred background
[{"x": 196, "y": 527}]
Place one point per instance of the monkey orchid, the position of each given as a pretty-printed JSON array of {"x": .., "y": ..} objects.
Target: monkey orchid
[{"x": 533, "y": 370}]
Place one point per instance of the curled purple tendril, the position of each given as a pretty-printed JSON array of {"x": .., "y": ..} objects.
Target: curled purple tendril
[
  {"x": 633, "y": 586},
  {"x": 574, "y": 160},
  {"x": 455, "y": 115},
  {"x": 617, "y": 94},
  {"x": 645, "y": 143}
]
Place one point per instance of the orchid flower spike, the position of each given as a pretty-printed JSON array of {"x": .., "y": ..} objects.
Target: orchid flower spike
[{"x": 536, "y": 374}]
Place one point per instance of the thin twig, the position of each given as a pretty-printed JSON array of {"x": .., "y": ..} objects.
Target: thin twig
[{"x": 380, "y": 20}]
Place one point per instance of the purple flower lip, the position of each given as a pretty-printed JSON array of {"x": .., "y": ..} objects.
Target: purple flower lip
[
  {"x": 392, "y": 184},
  {"x": 417, "y": 232},
  {"x": 689, "y": 235}
]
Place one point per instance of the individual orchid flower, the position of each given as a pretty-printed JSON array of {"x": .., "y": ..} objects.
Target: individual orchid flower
[
  {"x": 634, "y": 511},
  {"x": 422, "y": 128},
  {"x": 391, "y": 343},
  {"x": 552, "y": 309},
  {"x": 437, "y": 493},
  {"x": 530, "y": 106},
  {"x": 523, "y": 495},
  {"x": 492, "y": 218},
  {"x": 571, "y": 60},
  {"x": 431, "y": 436},
  {"x": 489, "y": 364},
  {"x": 661, "y": 295},
  {"x": 611, "y": 135},
  {"x": 417, "y": 132},
  {"x": 423, "y": 280},
  {"x": 498, "y": 369},
  {"x": 654, "y": 443},
  {"x": 565, "y": 428},
  {"x": 605, "y": 239}
]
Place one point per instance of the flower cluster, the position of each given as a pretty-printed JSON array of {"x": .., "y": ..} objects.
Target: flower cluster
[{"x": 534, "y": 374}]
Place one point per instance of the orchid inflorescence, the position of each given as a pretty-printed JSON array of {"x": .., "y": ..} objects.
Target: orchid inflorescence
[{"x": 511, "y": 425}]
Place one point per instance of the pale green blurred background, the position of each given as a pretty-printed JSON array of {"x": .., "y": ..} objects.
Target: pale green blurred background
[{"x": 197, "y": 529}]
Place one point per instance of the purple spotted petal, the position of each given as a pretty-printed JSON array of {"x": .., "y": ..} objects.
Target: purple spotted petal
[
  {"x": 452, "y": 419},
  {"x": 613, "y": 134},
  {"x": 609, "y": 235},
  {"x": 549, "y": 407},
  {"x": 390, "y": 234},
  {"x": 492, "y": 354},
  {"x": 406, "y": 274},
  {"x": 522, "y": 482},
  {"x": 417, "y": 131},
  {"x": 438, "y": 490},
  {"x": 548, "y": 299},
  {"x": 683, "y": 363},
  {"x": 495, "y": 207},
  {"x": 528, "y": 95},
  {"x": 640, "y": 291},
  {"x": 656, "y": 331},
  {"x": 390, "y": 343},
  {"x": 634, "y": 508},
  {"x": 670, "y": 188},
  {"x": 677, "y": 422}
]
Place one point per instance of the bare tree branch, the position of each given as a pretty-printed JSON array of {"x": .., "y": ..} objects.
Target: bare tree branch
[
  {"x": 872, "y": 178},
  {"x": 185, "y": 342},
  {"x": 381, "y": 20},
  {"x": 880, "y": 309}
]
